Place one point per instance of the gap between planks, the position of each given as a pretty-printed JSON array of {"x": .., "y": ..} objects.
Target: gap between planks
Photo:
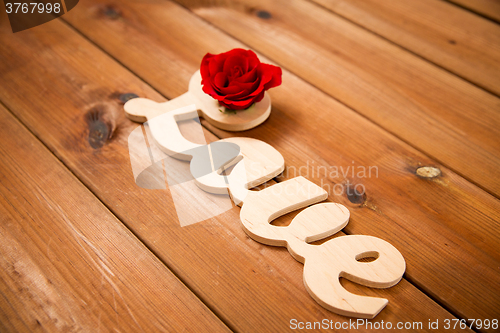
[
  {"x": 482, "y": 12},
  {"x": 398, "y": 45},
  {"x": 44, "y": 150},
  {"x": 112, "y": 213}
]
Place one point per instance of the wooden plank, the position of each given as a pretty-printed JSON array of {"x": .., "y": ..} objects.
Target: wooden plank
[
  {"x": 488, "y": 8},
  {"x": 431, "y": 109},
  {"x": 68, "y": 264},
  {"x": 449, "y": 36},
  {"x": 69, "y": 97},
  {"x": 434, "y": 222}
]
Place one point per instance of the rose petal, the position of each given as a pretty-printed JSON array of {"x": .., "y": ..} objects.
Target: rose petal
[
  {"x": 239, "y": 96},
  {"x": 259, "y": 97},
  {"x": 249, "y": 87},
  {"x": 249, "y": 77},
  {"x": 241, "y": 105},
  {"x": 233, "y": 61},
  {"x": 271, "y": 76},
  {"x": 240, "y": 58},
  {"x": 230, "y": 91},
  {"x": 205, "y": 73},
  {"x": 215, "y": 66},
  {"x": 220, "y": 80},
  {"x": 208, "y": 89}
]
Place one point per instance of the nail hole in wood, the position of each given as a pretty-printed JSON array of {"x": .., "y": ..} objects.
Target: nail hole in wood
[
  {"x": 111, "y": 12},
  {"x": 263, "y": 14},
  {"x": 99, "y": 130},
  {"x": 354, "y": 194},
  {"x": 428, "y": 172}
]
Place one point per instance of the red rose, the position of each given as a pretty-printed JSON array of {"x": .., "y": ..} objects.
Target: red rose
[{"x": 237, "y": 78}]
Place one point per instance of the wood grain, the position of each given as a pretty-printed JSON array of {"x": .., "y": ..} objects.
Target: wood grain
[
  {"x": 427, "y": 107},
  {"x": 67, "y": 264},
  {"x": 76, "y": 107},
  {"x": 449, "y": 36},
  {"x": 451, "y": 252},
  {"x": 488, "y": 8}
]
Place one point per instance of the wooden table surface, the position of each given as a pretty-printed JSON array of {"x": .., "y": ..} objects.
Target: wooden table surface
[{"x": 396, "y": 84}]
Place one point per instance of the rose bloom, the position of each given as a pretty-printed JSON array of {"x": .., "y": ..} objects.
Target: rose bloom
[{"x": 237, "y": 78}]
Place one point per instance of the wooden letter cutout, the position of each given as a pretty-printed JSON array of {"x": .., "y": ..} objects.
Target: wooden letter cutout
[
  {"x": 325, "y": 263},
  {"x": 254, "y": 162}
]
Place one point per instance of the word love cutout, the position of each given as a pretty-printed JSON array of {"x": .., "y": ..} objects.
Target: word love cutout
[{"x": 254, "y": 162}]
